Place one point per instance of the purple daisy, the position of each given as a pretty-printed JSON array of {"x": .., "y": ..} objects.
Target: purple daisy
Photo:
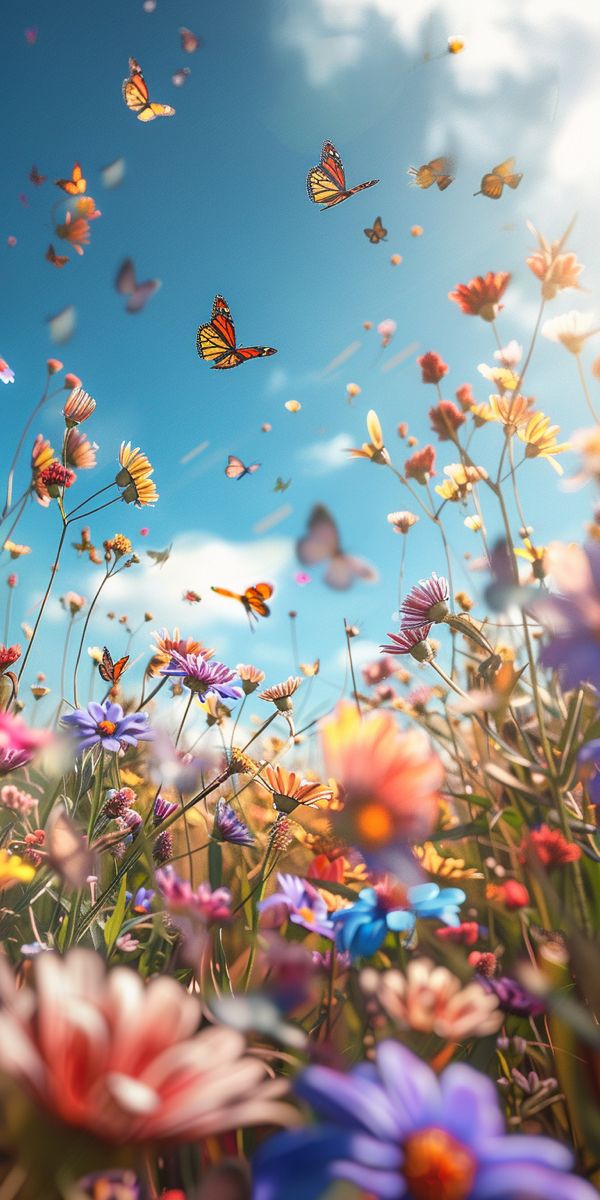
[
  {"x": 108, "y": 726},
  {"x": 298, "y": 900},
  {"x": 229, "y": 828},
  {"x": 203, "y": 677},
  {"x": 411, "y": 641},
  {"x": 426, "y": 601},
  {"x": 393, "y": 1128},
  {"x": 512, "y": 998},
  {"x": 163, "y": 809}
]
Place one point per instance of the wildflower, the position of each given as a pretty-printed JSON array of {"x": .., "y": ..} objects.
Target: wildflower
[
  {"x": 512, "y": 997},
  {"x": 411, "y": 641},
  {"x": 240, "y": 763},
  {"x": 480, "y": 297},
  {"x": 289, "y": 790},
  {"x": 556, "y": 271},
  {"x": 162, "y": 809},
  {"x": 386, "y": 330},
  {"x": 18, "y": 739},
  {"x": 17, "y": 801},
  {"x": 502, "y": 377},
  {"x": 572, "y": 330},
  {"x": 108, "y": 726},
  {"x": 299, "y": 901},
  {"x": 54, "y": 478},
  {"x": 445, "y": 418},
  {"x": 119, "y": 545},
  {"x": 389, "y": 778},
  {"x": 117, "y": 801},
  {"x": 430, "y": 999},
  {"x": 15, "y": 549},
  {"x": 78, "y": 451},
  {"x": 426, "y": 602},
  {"x": 134, "y": 477},
  {"x": 229, "y": 828},
  {"x": 484, "y": 963},
  {"x": 446, "y": 866},
  {"x": 378, "y": 670},
  {"x": 42, "y": 455},
  {"x": 14, "y": 870},
  {"x": 141, "y": 902},
  {"x": 402, "y": 521},
  {"x": 512, "y": 894},
  {"x": 141, "y": 1074},
  {"x": 75, "y": 232},
  {"x": 162, "y": 849},
  {"x": 465, "y": 934},
  {"x": 464, "y": 601},
  {"x": 72, "y": 602},
  {"x": 416, "y": 231},
  {"x": 421, "y": 465},
  {"x": 460, "y": 481},
  {"x": 6, "y": 374},
  {"x": 71, "y": 381},
  {"x": 540, "y": 441},
  {"x": 363, "y": 926},
  {"x": 79, "y": 405},
  {"x": 374, "y": 450},
  {"x": 548, "y": 847},
  {"x": 352, "y": 390},
  {"x": 465, "y": 397},
  {"x": 202, "y": 677},
  {"x": 250, "y": 677},
  {"x": 393, "y": 1128},
  {"x": 511, "y": 411},
  {"x": 166, "y": 646},
  {"x": 85, "y": 206},
  {"x": 433, "y": 368},
  {"x": 8, "y": 656},
  {"x": 280, "y": 695}
]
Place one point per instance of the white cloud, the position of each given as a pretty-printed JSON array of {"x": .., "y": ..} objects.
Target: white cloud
[{"x": 322, "y": 457}]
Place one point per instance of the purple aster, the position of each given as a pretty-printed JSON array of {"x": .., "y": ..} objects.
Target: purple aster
[
  {"x": 229, "y": 828},
  {"x": 301, "y": 903},
  {"x": 426, "y": 601},
  {"x": 395, "y": 1129},
  {"x": 11, "y": 760},
  {"x": 203, "y": 677},
  {"x": 411, "y": 641},
  {"x": 141, "y": 902},
  {"x": 573, "y": 617},
  {"x": 108, "y": 726},
  {"x": 512, "y": 998}
]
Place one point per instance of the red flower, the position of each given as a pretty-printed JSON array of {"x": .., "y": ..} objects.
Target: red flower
[
  {"x": 549, "y": 847},
  {"x": 8, "y": 656},
  {"x": 433, "y": 368},
  {"x": 445, "y": 419},
  {"x": 465, "y": 397},
  {"x": 55, "y": 476},
  {"x": 465, "y": 934},
  {"x": 480, "y": 296},
  {"x": 421, "y": 464},
  {"x": 511, "y": 893},
  {"x": 484, "y": 964}
]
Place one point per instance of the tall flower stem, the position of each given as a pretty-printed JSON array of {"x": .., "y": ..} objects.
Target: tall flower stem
[
  {"x": 26, "y": 428},
  {"x": 184, "y": 718},
  {"x": 84, "y": 631},
  {"x": 350, "y": 660},
  {"x": 586, "y": 391},
  {"x": 53, "y": 571}
]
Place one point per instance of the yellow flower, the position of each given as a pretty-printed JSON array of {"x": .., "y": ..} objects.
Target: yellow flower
[
  {"x": 460, "y": 481},
  {"x": 535, "y": 555},
  {"x": 473, "y": 523},
  {"x": 511, "y": 411},
  {"x": 134, "y": 477},
  {"x": 502, "y": 377},
  {"x": 14, "y": 870},
  {"x": 446, "y": 868},
  {"x": 481, "y": 413},
  {"x": 540, "y": 441},
  {"x": 375, "y": 449}
]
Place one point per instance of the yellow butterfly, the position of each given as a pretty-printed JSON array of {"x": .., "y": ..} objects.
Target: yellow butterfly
[
  {"x": 136, "y": 97},
  {"x": 492, "y": 184}
]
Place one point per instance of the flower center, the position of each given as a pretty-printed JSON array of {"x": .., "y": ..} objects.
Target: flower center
[
  {"x": 374, "y": 823},
  {"x": 307, "y": 915},
  {"x": 437, "y": 1166},
  {"x": 107, "y": 728}
]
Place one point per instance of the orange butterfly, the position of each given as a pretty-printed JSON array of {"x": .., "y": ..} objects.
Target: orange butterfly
[
  {"x": 235, "y": 468},
  {"x": 216, "y": 342},
  {"x": 111, "y": 671},
  {"x": 57, "y": 260},
  {"x": 136, "y": 97},
  {"x": 492, "y": 184},
  {"x": 76, "y": 185},
  {"x": 437, "y": 171},
  {"x": 253, "y": 599},
  {"x": 377, "y": 233},
  {"x": 326, "y": 184},
  {"x": 36, "y": 178}
]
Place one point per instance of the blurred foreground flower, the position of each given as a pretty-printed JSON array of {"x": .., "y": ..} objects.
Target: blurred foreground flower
[
  {"x": 430, "y": 999},
  {"x": 572, "y": 330},
  {"x": 573, "y": 616},
  {"x": 362, "y": 927}
]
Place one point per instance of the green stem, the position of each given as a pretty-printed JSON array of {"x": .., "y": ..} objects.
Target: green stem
[{"x": 53, "y": 571}]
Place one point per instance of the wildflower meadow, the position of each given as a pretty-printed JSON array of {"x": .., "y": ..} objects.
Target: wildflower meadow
[{"x": 275, "y": 929}]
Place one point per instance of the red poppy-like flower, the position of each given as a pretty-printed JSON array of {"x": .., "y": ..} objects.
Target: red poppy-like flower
[
  {"x": 421, "y": 464},
  {"x": 511, "y": 893},
  {"x": 445, "y": 418},
  {"x": 433, "y": 367},
  {"x": 54, "y": 365},
  {"x": 465, "y": 397},
  {"x": 56, "y": 476},
  {"x": 480, "y": 296},
  {"x": 8, "y": 656},
  {"x": 465, "y": 934},
  {"x": 549, "y": 847}
]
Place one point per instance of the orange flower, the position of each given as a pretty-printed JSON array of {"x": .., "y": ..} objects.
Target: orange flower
[
  {"x": 134, "y": 477},
  {"x": 480, "y": 297},
  {"x": 511, "y": 411},
  {"x": 548, "y": 847},
  {"x": 79, "y": 405},
  {"x": 421, "y": 464},
  {"x": 54, "y": 365},
  {"x": 445, "y": 418},
  {"x": 289, "y": 786},
  {"x": 85, "y": 206},
  {"x": 78, "y": 451},
  {"x": 390, "y": 779},
  {"x": 75, "y": 232},
  {"x": 166, "y": 646},
  {"x": 42, "y": 455},
  {"x": 557, "y": 271}
]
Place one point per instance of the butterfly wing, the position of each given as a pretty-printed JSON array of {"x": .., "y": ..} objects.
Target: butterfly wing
[
  {"x": 57, "y": 260},
  {"x": 326, "y": 183},
  {"x": 36, "y": 178},
  {"x": 492, "y": 186},
  {"x": 505, "y": 171},
  {"x": 254, "y": 599},
  {"x": 244, "y": 354},
  {"x": 106, "y": 666},
  {"x": 252, "y": 468},
  {"x": 235, "y": 468},
  {"x": 360, "y": 187},
  {"x": 321, "y": 540},
  {"x": 135, "y": 89},
  {"x": 67, "y": 849},
  {"x": 119, "y": 667},
  {"x": 141, "y": 294},
  {"x": 345, "y": 569},
  {"x": 377, "y": 233},
  {"x": 76, "y": 184},
  {"x": 125, "y": 280},
  {"x": 216, "y": 339},
  {"x": 156, "y": 110}
]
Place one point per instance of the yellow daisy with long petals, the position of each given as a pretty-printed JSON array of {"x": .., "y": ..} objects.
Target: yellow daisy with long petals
[
  {"x": 540, "y": 441},
  {"x": 134, "y": 477}
]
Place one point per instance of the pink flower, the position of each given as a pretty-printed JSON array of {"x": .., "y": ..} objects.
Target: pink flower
[
  {"x": 421, "y": 464},
  {"x": 100, "y": 1051},
  {"x": 16, "y": 735},
  {"x": 465, "y": 397},
  {"x": 378, "y": 670},
  {"x": 426, "y": 602},
  {"x": 411, "y": 641},
  {"x": 445, "y": 418}
]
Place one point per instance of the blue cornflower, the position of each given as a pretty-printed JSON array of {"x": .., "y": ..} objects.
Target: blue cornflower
[
  {"x": 228, "y": 827},
  {"x": 362, "y": 927},
  {"x": 141, "y": 902},
  {"x": 395, "y": 1129},
  {"x": 203, "y": 677},
  {"x": 108, "y": 726}
]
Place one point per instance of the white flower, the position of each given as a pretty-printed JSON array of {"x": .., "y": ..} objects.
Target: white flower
[
  {"x": 571, "y": 330},
  {"x": 509, "y": 355},
  {"x": 431, "y": 999}
]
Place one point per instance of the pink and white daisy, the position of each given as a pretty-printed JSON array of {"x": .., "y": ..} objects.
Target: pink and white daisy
[{"x": 426, "y": 602}]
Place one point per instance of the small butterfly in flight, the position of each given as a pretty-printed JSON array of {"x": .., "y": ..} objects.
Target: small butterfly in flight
[
  {"x": 326, "y": 183},
  {"x": 252, "y": 600},
  {"x": 215, "y": 341},
  {"x": 189, "y": 41},
  {"x": 281, "y": 485},
  {"x": 36, "y": 178},
  {"x": 111, "y": 671},
  {"x": 86, "y": 546},
  {"x": 76, "y": 185},
  {"x": 139, "y": 293},
  {"x": 57, "y": 260},
  {"x": 191, "y": 597},
  {"x": 321, "y": 543},
  {"x": 309, "y": 670},
  {"x": 492, "y": 184},
  {"x": 235, "y": 468},
  {"x": 136, "y": 96},
  {"x": 438, "y": 171},
  {"x": 178, "y": 78},
  {"x": 377, "y": 233},
  {"x": 160, "y": 557}
]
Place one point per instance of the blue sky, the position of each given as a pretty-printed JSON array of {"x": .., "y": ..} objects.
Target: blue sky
[{"x": 214, "y": 200}]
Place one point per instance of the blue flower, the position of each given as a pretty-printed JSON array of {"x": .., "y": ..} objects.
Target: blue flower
[
  {"x": 108, "y": 726},
  {"x": 395, "y": 1129},
  {"x": 203, "y": 677},
  {"x": 589, "y": 760},
  {"x": 361, "y": 928},
  {"x": 228, "y": 827},
  {"x": 142, "y": 901},
  {"x": 302, "y": 903}
]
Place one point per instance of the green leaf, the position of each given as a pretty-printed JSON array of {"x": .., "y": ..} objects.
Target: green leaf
[{"x": 112, "y": 928}]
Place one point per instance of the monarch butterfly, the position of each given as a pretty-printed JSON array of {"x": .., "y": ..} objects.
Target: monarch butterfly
[
  {"x": 492, "y": 184},
  {"x": 36, "y": 178},
  {"x": 111, "y": 671},
  {"x": 326, "y": 184},
  {"x": 139, "y": 293},
  {"x": 135, "y": 95},
  {"x": 253, "y": 599},
  {"x": 377, "y": 233},
  {"x": 76, "y": 185},
  {"x": 235, "y": 468},
  {"x": 321, "y": 542},
  {"x": 437, "y": 171},
  {"x": 215, "y": 341},
  {"x": 57, "y": 260}
]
